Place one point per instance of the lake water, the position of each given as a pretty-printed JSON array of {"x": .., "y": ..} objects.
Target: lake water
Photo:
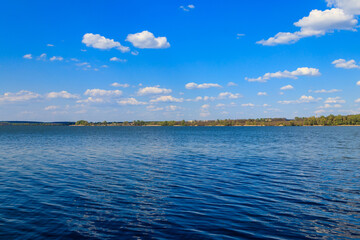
[{"x": 179, "y": 182}]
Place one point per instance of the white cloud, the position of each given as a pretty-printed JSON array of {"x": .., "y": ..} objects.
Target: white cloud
[
  {"x": 187, "y": 8},
  {"x": 51, "y": 108},
  {"x": 20, "y": 96},
  {"x": 239, "y": 35},
  {"x": 349, "y": 6},
  {"x": 135, "y": 53},
  {"x": 262, "y": 94},
  {"x": 357, "y": 100},
  {"x": 55, "y": 58},
  {"x": 167, "y": 99},
  {"x": 27, "y": 56},
  {"x": 115, "y": 59},
  {"x": 147, "y": 39},
  {"x": 91, "y": 100},
  {"x": 220, "y": 105},
  {"x": 342, "y": 63},
  {"x": 287, "y": 87},
  {"x": 325, "y": 91},
  {"x": 229, "y": 95},
  {"x": 130, "y": 101},
  {"x": 101, "y": 92},
  {"x": 302, "y": 99},
  {"x": 205, "y": 106},
  {"x": 303, "y": 71},
  {"x": 248, "y": 105},
  {"x": 62, "y": 94},
  {"x": 231, "y": 84},
  {"x": 335, "y": 100},
  {"x": 193, "y": 85},
  {"x": 330, "y": 106},
  {"x": 152, "y": 108},
  {"x": 42, "y": 57},
  {"x": 153, "y": 90},
  {"x": 49, "y": 45},
  {"x": 318, "y": 23},
  {"x": 358, "y": 83},
  {"x": 125, "y": 85},
  {"x": 100, "y": 42},
  {"x": 173, "y": 108}
]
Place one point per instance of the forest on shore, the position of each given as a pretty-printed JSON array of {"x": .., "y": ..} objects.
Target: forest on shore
[{"x": 331, "y": 120}]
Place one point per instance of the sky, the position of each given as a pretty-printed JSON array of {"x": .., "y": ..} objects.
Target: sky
[{"x": 122, "y": 60}]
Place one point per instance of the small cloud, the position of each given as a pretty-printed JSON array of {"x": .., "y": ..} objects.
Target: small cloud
[
  {"x": 101, "y": 92},
  {"x": 239, "y": 35},
  {"x": 231, "y": 84},
  {"x": 55, "y": 58},
  {"x": 51, "y": 108},
  {"x": 125, "y": 85},
  {"x": 135, "y": 53},
  {"x": 100, "y": 42},
  {"x": 50, "y": 45},
  {"x": 153, "y": 90},
  {"x": 248, "y": 105},
  {"x": 130, "y": 101},
  {"x": 303, "y": 71},
  {"x": 358, "y": 83},
  {"x": 91, "y": 100},
  {"x": 187, "y": 8},
  {"x": 262, "y": 94},
  {"x": 42, "y": 57},
  {"x": 357, "y": 100},
  {"x": 27, "y": 56},
  {"x": 325, "y": 91},
  {"x": 287, "y": 87},
  {"x": 146, "y": 39},
  {"x": 62, "y": 94},
  {"x": 20, "y": 96},
  {"x": 302, "y": 99},
  {"x": 193, "y": 85},
  {"x": 229, "y": 95},
  {"x": 104, "y": 66},
  {"x": 115, "y": 59},
  {"x": 205, "y": 106},
  {"x": 166, "y": 99},
  {"x": 342, "y": 63},
  {"x": 335, "y": 100}
]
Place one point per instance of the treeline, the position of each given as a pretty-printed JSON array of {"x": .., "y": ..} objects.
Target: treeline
[
  {"x": 24, "y": 123},
  {"x": 330, "y": 120}
]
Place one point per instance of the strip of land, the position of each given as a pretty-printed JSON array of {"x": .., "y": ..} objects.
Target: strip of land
[{"x": 331, "y": 120}]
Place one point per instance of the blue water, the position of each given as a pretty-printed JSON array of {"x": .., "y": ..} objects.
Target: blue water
[{"x": 179, "y": 182}]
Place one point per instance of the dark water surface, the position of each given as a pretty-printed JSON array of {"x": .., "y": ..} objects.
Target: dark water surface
[{"x": 179, "y": 183}]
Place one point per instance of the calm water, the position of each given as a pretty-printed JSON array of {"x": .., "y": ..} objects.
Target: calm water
[{"x": 179, "y": 183}]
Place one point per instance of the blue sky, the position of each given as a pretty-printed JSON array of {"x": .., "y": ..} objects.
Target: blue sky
[{"x": 173, "y": 60}]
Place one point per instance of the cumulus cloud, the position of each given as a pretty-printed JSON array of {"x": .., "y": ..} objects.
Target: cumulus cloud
[
  {"x": 55, "y": 58},
  {"x": 335, "y": 100},
  {"x": 342, "y": 63},
  {"x": 42, "y": 57},
  {"x": 146, "y": 39},
  {"x": 166, "y": 99},
  {"x": 303, "y": 71},
  {"x": 20, "y": 96},
  {"x": 92, "y": 100},
  {"x": 357, "y": 100},
  {"x": 349, "y": 6},
  {"x": 125, "y": 85},
  {"x": 62, "y": 94},
  {"x": 248, "y": 105},
  {"x": 287, "y": 87},
  {"x": 100, "y": 42},
  {"x": 358, "y": 83},
  {"x": 152, "y": 108},
  {"x": 153, "y": 90},
  {"x": 27, "y": 56},
  {"x": 101, "y": 92},
  {"x": 330, "y": 106},
  {"x": 231, "y": 84},
  {"x": 193, "y": 85},
  {"x": 318, "y": 23},
  {"x": 115, "y": 59},
  {"x": 325, "y": 91},
  {"x": 229, "y": 95},
  {"x": 302, "y": 99},
  {"x": 130, "y": 101},
  {"x": 262, "y": 94},
  {"x": 187, "y": 8},
  {"x": 51, "y": 108}
]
